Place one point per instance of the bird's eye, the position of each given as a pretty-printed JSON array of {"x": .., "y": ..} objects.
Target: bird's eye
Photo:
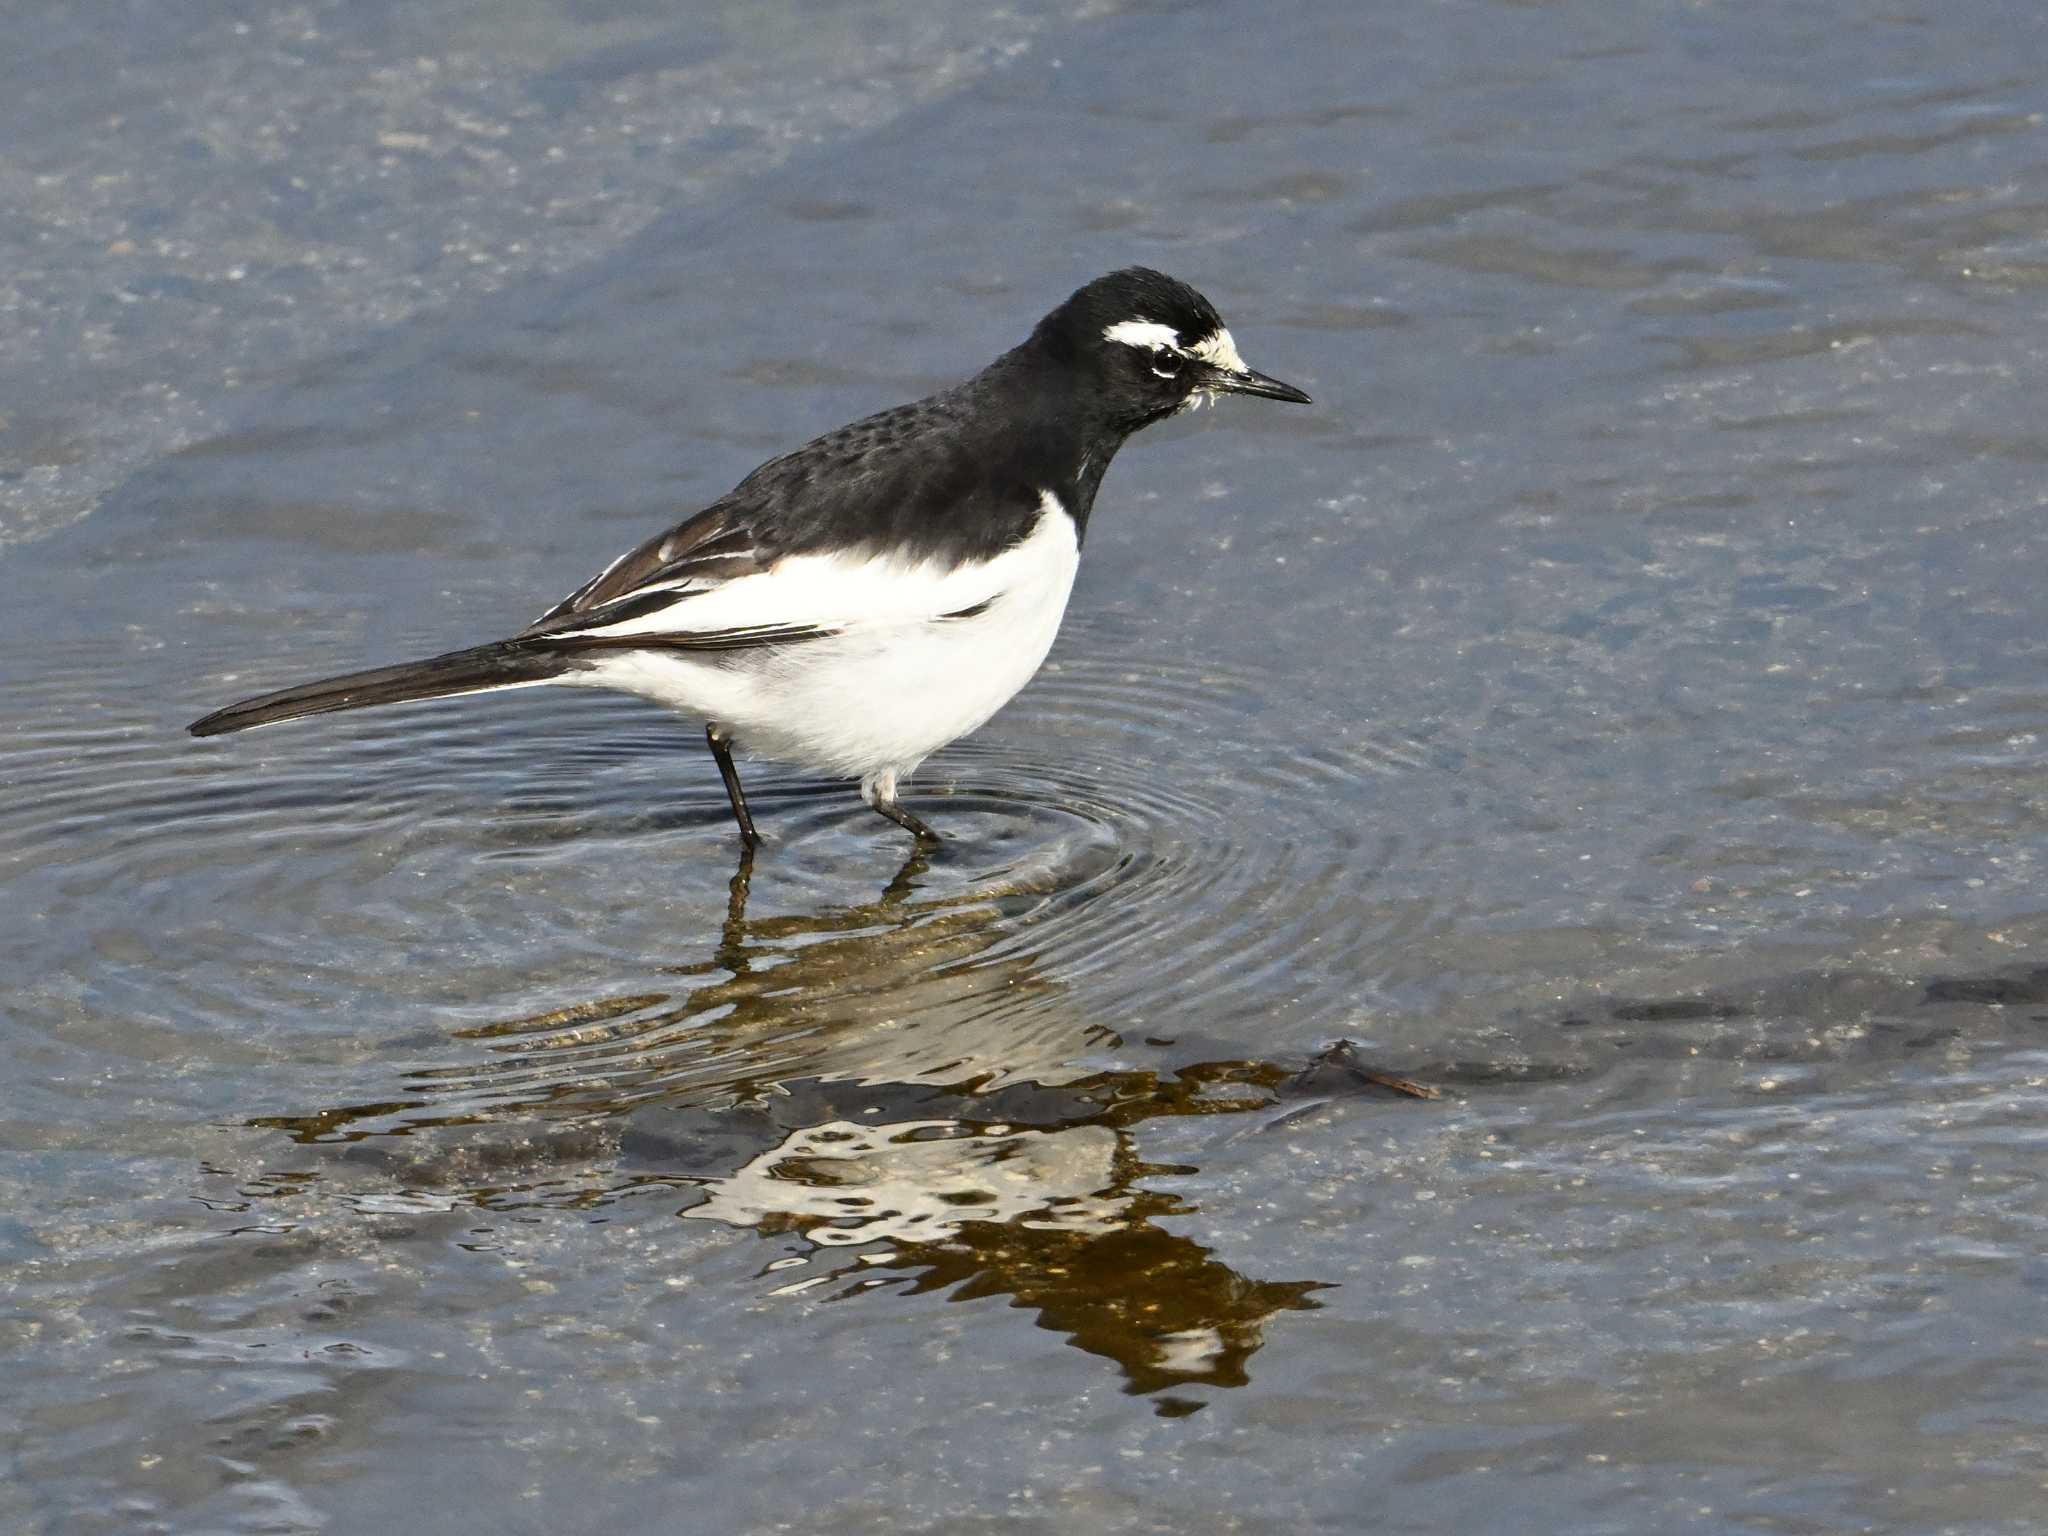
[{"x": 1166, "y": 362}]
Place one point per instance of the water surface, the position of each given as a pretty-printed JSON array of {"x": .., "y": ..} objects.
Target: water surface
[{"x": 1613, "y": 710}]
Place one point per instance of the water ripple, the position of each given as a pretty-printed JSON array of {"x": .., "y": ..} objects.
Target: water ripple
[{"x": 1137, "y": 843}]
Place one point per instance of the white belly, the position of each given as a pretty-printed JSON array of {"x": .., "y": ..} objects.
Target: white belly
[{"x": 887, "y": 692}]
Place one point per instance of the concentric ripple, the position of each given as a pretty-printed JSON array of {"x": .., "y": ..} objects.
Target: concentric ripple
[
  {"x": 1246, "y": 863},
  {"x": 1132, "y": 853},
  {"x": 537, "y": 896}
]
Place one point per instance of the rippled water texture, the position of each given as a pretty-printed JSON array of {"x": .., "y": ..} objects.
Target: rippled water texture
[{"x": 1496, "y": 982}]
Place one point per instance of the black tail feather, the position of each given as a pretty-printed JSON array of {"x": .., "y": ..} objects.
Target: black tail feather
[{"x": 504, "y": 664}]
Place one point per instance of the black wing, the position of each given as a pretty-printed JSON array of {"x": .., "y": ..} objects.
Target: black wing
[
  {"x": 705, "y": 551},
  {"x": 917, "y": 481}
]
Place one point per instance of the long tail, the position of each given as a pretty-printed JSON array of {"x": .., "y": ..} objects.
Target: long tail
[{"x": 505, "y": 664}]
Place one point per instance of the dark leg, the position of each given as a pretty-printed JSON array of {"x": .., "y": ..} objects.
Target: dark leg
[
  {"x": 721, "y": 748},
  {"x": 906, "y": 821}
]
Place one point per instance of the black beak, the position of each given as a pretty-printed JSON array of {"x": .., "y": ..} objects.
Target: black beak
[{"x": 1229, "y": 381}]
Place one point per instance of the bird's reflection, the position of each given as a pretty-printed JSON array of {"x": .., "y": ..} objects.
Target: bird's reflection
[
  {"x": 894, "y": 1093},
  {"x": 906, "y": 988},
  {"x": 1056, "y": 1217}
]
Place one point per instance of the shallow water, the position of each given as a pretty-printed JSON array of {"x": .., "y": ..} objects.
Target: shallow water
[{"x": 1613, "y": 709}]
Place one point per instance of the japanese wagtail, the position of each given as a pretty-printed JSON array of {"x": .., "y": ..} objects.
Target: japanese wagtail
[{"x": 855, "y": 605}]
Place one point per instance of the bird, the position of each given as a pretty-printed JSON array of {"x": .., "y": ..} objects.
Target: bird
[{"x": 856, "y": 604}]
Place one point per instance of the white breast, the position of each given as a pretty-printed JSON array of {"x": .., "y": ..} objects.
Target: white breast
[{"x": 899, "y": 681}]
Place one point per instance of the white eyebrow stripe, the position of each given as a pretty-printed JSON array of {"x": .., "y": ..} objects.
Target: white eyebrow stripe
[
  {"x": 1143, "y": 333},
  {"x": 1221, "y": 352}
]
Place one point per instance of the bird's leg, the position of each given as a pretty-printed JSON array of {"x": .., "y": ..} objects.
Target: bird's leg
[
  {"x": 721, "y": 748},
  {"x": 907, "y": 822},
  {"x": 879, "y": 790}
]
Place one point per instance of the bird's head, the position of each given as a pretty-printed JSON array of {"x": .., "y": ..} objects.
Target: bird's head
[{"x": 1146, "y": 346}]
